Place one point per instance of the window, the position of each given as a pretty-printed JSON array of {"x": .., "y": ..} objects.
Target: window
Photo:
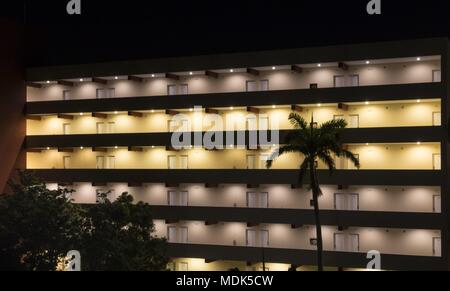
[
  {"x": 184, "y": 162},
  {"x": 264, "y": 85},
  {"x": 437, "y": 247},
  {"x": 66, "y": 128},
  {"x": 346, "y": 81},
  {"x": 257, "y": 200},
  {"x": 354, "y": 121},
  {"x": 177, "y": 234},
  {"x": 111, "y": 127},
  {"x": 176, "y": 198},
  {"x": 67, "y": 95},
  {"x": 437, "y": 121},
  {"x": 251, "y": 162},
  {"x": 437, "y": 203},
  {"x": 172, "y": 162},
  {"x": 100, "y": 162},
  {"x": 66, "y": 162},
  {"x": 437, "y": 76},
  {"x": 101, "y": 128},
  {"x": 184, "y": 89},
  {"x": 263, "y": 123},
  {"x": 110, "y": 162},
  {"x": 257, "y": 238},
  {"x": 437, "y": 162},
  {"x": 251, "y": 86},
  {"x": 346, "y": 242},
  {"x": 106, "y": 93},
  {"x": 339, "y": 81},
  {"x": 171, "y": 90},
  {"x": 348, "y": 202}
]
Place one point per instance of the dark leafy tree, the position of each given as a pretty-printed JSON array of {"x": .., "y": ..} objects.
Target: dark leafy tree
[
  {"x": 37, "y": 225},
  {"x": 315, "y": 143},
  {"x": 117, "y": 237}
]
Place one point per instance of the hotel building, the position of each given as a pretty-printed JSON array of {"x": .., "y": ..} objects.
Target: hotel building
[{"x": 108, "y": 126}]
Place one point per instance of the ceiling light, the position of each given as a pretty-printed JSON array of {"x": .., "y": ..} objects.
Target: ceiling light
[
  {"x": 115, "y": 112},
  {"x": 116, "y": 147},
  {"x": 81, "y": 113},
  {"x": 153, "y": 147},
  {"x": 190, "y": 73},
  {"x": 419, "y": 143},
  {"x": 274, "y": 106},
  {"x": 274, "y": 68},
  {"x": 153, "y": 75},
  {"x": 81, "y": 148},
  {"x": 81, "y": 80},
  {"x": 48, "y": 148},
  {"x": 367, "y": 144},
  {"x": 116, "y": 78},
  {"x": 48, "y": 82},
  {"x": 153, "y": 111},
  {"x": 191, "y": 110},
  {"x": 367, "y": 62},
  {"x": 319, "y": 105},
  {"x": 319, "y": 65},
  {"x": 419, "y": 59},
  {"x": 232, "y": 108},
  {"x": 418, "y": 101},
  {"x": 231, "y": 71},
  {"x": 367, "y": 103}
]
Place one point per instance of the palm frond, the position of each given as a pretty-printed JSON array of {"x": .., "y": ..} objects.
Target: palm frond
[
  {"x": 333, "y": 126},
  {"x": 297, "y": 121},
  {"x": 281, "y": 151},
  {"x": 328, "y": 160},
  {"x": 351, "y": 156}
]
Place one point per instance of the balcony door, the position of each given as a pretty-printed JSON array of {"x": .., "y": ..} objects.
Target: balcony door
[
  {"x": 437, "y": 121},
  {"x": 177, "y": 234},
  {"x": 100, "y": 162},
  {"x": 251, "y": 86},
  {"x": 184, "y": 162},
  {"x": 251, "y": 162},
  {"x": 66, "y": 128},
  {"x": 178, "y": 198},
  {"x": 184, "y": 89},
  {"x": 171, "y": 90},
  {"x": 67, "y": 162},
  {"x": 353, "y": 121},
  {"x": 346, "y": 242},
  {"x": 346, "y": 202},
  {"x": 257, "y": 238},
  {"x": 437, "y": 162},
  {"x": 110, "y": 162},
  {"x": 172, "y": 162},
  {"x": 257, "y": 200},
  {"x": 437, "y": 204},
  {"x": 437, "y": 247}
]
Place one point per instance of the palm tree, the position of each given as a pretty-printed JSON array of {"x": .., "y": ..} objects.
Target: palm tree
[{"x": 314, "y": 143}]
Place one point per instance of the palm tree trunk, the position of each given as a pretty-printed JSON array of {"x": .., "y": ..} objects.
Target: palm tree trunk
[{"x": 316, "y": 192}]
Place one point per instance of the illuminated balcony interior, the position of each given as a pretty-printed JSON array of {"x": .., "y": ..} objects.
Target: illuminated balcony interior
[
  {"x": 352, "y": 198},
  {"x": 407, "y": 156},
  {"x": 280, "y": 236},
  {"x": 421, "y": 69},
  {"x": 400, "y": 113}
]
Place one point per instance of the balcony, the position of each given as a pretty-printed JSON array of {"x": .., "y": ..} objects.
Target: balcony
[
  {"x": 253, "y": 177},
  {"x": 302, "y": 257}
]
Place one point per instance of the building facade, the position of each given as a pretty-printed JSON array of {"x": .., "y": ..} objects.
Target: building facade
[{"x": 107, "y": 128}]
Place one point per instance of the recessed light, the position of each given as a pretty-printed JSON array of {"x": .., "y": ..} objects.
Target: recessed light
[
  {"x": 419, "y": 143},
  {"x": 81, "y": 80},
  {"x": 115, "y": 112},
  {"x": 81, "y": 148},
  {"x": 367, "y": 62},
  {"x": 367, "y": 103},
  {"x": 419, "y": 59},
  {"x": 48, "y": 148},
  {"x": 231, "y": 71},
  {"x": 191, "y": 73},
  {"x": 116, "y": 147},
  {"x": 81, "y": 113},
  {"x": 367, "y": 144},
  {"x": 153, "y": 147},
  {"x": 274, "y": 107},
  {"x": 319, "y": 105},
  {"x": 48, "y": 82},
  {"x": 191, "y": 110},
  {"x": 231, "y": 108},
  {"x": 274, "y": 68},
  {"x": 153, "y": 111},
  {"x": 418, "y": 101},
  {"x": 116, "y": 78},
  {"x": 319, "y": 65},
  {"x": 153, "y": 75}
]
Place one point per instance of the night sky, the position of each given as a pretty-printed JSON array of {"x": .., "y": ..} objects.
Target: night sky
[{"x": 133, "y": 29}]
